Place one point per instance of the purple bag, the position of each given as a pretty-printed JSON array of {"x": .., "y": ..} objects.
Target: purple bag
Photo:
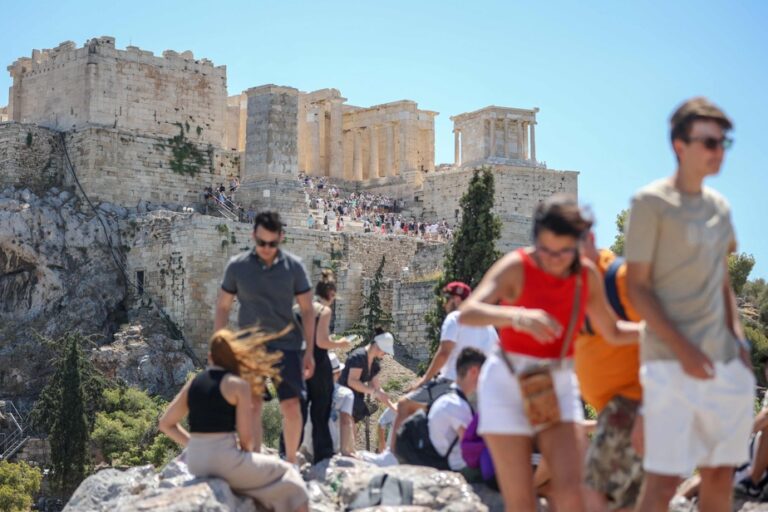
[{"x": 474, "y": 451}]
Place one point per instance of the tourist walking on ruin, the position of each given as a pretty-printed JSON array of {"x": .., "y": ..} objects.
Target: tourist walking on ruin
[
  {"x": 265, "y": 281},
  {"x": 441, "y": 373},
  {"x": 220, "y": 440},
  {"x": 698, "y": 385},
  {"x": 538, "y": 297},
  {"x": 609, "y": 382},
  {"x": 320, "y": 385}
]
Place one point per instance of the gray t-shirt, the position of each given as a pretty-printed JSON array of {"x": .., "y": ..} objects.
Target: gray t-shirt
[
  {"x": 266, "y": 294},
  {"x": 686, "y": 239}
]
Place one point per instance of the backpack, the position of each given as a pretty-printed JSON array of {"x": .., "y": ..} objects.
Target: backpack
[
  {"x": 414, "y": 445},
  {"x": 611, "y": 292},
  {"x": 385, "y": 490}
]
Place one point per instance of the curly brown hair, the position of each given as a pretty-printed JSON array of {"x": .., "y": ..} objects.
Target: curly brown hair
[{"x": 244, "y": 353}]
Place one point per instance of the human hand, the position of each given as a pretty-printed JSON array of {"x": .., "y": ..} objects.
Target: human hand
[
  {"x": 381, "y": 395},
  {"x": 309, "y": 365},
  {"x": 695, "y": 363},
  {"x": 538, "y": 323}
]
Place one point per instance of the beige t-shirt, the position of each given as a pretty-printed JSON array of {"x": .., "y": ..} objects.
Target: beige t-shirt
[{"x": 686, "y": 238}]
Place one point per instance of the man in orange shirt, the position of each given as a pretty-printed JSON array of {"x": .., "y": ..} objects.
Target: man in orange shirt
[{"x": 609, "y": 381}]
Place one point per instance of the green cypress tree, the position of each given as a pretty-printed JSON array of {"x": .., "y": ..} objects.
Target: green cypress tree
[
  {"x": 473, "y": 249},
  {"x": 373, "y": 314},
  {"x": 69, "y": 433}
]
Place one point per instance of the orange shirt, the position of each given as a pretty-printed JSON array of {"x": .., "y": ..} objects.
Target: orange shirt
[
  {"x": 555, "y": 296},
  {"x": 606, "y": 370}
]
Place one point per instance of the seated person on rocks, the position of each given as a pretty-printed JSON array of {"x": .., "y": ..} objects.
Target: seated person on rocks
[
  {"x": 442, "y": 370},
  {"x": 340, "y": 423},
  {"x": 220, "y": 438},
  {"x": 361, "y": 373},
  {"x": 450, "y": 415}
]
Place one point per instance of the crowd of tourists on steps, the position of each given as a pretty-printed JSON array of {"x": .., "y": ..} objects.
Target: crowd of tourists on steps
[{"x": 651, "y": 340}]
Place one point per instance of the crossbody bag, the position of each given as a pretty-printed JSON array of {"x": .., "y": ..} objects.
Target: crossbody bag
[{"x": 537, "y": 385}]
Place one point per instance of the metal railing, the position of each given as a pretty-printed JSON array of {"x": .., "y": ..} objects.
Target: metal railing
[{"x": 13, "y": 442}]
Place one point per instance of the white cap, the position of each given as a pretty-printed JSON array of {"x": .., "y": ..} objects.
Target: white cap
[
  {"x": 386, "y": 342},
  {"x": 336, "y": 365}
]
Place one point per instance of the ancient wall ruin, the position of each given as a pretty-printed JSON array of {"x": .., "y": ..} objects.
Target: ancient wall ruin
[
  {"x": 126, "y": 168},
  {"x": 30, "y": 157},
  {"x": 69, "y": 87},
  {"x": 518, "y": 191},
  {"x": 179, "y": 259}
]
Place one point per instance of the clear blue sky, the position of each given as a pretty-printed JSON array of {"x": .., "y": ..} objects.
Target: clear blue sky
[{"x": 606, "y": 75}]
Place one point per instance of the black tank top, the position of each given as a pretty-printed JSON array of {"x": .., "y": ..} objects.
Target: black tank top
[{"x": 208, "y": 410}]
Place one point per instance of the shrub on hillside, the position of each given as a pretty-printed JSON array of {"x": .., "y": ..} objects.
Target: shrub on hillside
[
  {"x": 126, "y": 430},
  {"x": 19, "y": 483}
]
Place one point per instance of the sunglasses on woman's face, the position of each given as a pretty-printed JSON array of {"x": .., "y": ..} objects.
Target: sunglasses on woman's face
[
  {"x": 267, "y": 243},
  {"x": 566, "y": 251}
]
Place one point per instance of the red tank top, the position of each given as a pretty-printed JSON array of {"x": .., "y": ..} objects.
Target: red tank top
[{"x": 555, "y": 296}]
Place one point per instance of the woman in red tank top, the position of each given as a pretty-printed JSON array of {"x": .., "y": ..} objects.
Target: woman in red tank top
[{"x": 529, "y": 295}]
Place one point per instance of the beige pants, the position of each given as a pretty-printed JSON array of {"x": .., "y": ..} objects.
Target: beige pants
[{"x": 274, "y": 483}]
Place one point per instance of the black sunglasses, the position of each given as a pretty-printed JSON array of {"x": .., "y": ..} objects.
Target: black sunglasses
[
  {"x": 265, "y": 243},
  {"x": 713, "y": 143}
]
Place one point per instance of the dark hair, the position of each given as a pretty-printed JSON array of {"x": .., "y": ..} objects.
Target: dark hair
[
  {"x": 468, "y": 358},
  {"x": 560, "y": 214},
  {"x": 378, "y": 330},
  {"x": 693, "y": 110},
  {"x": 326, "y": 284},
  {"x": 269, "y": 221}
]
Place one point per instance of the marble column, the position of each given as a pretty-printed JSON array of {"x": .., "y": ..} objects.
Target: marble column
[
  {"x": 389, "y": 151},
  {"x": 373, "y": 153},
  {"x": 402, "y": 158},
  {"x": 456, "y": 147},
  {"x": 314, "y": 142},
  {"x": 519, "y": 126},
  {"x": 336, "y": 165},
  {"x": 492, "y": 149},
  {"x": 357, "y": 161},
  {"x": 533, "y": 141},
  {"x": 525, "y": 140},
  {"x": 505, "y": 153}
]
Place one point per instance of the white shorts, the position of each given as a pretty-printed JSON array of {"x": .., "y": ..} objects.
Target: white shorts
[
  {"x": 500, "y": 403},
  {"x": 691, "y": 423}
]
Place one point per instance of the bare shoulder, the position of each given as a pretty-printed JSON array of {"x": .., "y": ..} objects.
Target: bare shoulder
[{"x": 233, "y": 388}]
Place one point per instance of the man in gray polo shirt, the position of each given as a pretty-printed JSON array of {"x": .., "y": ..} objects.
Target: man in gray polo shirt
[{"x": 265, "y": 282}]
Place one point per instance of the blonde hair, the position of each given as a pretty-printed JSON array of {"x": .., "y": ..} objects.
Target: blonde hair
[{"x": 244, "y": 353}]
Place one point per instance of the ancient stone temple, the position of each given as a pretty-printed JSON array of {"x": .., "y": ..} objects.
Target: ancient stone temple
[{"x": 495, "y": 135}]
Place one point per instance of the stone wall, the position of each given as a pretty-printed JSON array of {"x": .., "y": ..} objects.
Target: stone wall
[
  {"x": 30, "y": 157},
  {"x": 125, "y": 168},
  {"x": 518, "y": 191},
  {"x": 411, "y": 300},
  {"x": 182, "y": 259},
  {"x": 35, "y": 451},
  {"x": 69, "y": 87}
]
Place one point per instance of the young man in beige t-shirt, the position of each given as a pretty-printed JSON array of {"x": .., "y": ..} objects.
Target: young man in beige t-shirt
[{"x": 697, "y": 383}]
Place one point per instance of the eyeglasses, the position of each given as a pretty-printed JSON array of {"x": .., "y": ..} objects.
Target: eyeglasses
[
  {"x": 566, "y": 251},
  {"x": 267, "y": 243},
  {"x": 712, "y": 143}
]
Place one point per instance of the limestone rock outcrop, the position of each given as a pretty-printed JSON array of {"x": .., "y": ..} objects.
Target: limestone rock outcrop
[
  {"x": 58, "y": 274},
  {"x": 333, "y": 485}
]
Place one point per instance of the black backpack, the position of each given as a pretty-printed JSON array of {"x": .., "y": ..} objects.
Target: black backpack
[{"x": 413, "y": 444}]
